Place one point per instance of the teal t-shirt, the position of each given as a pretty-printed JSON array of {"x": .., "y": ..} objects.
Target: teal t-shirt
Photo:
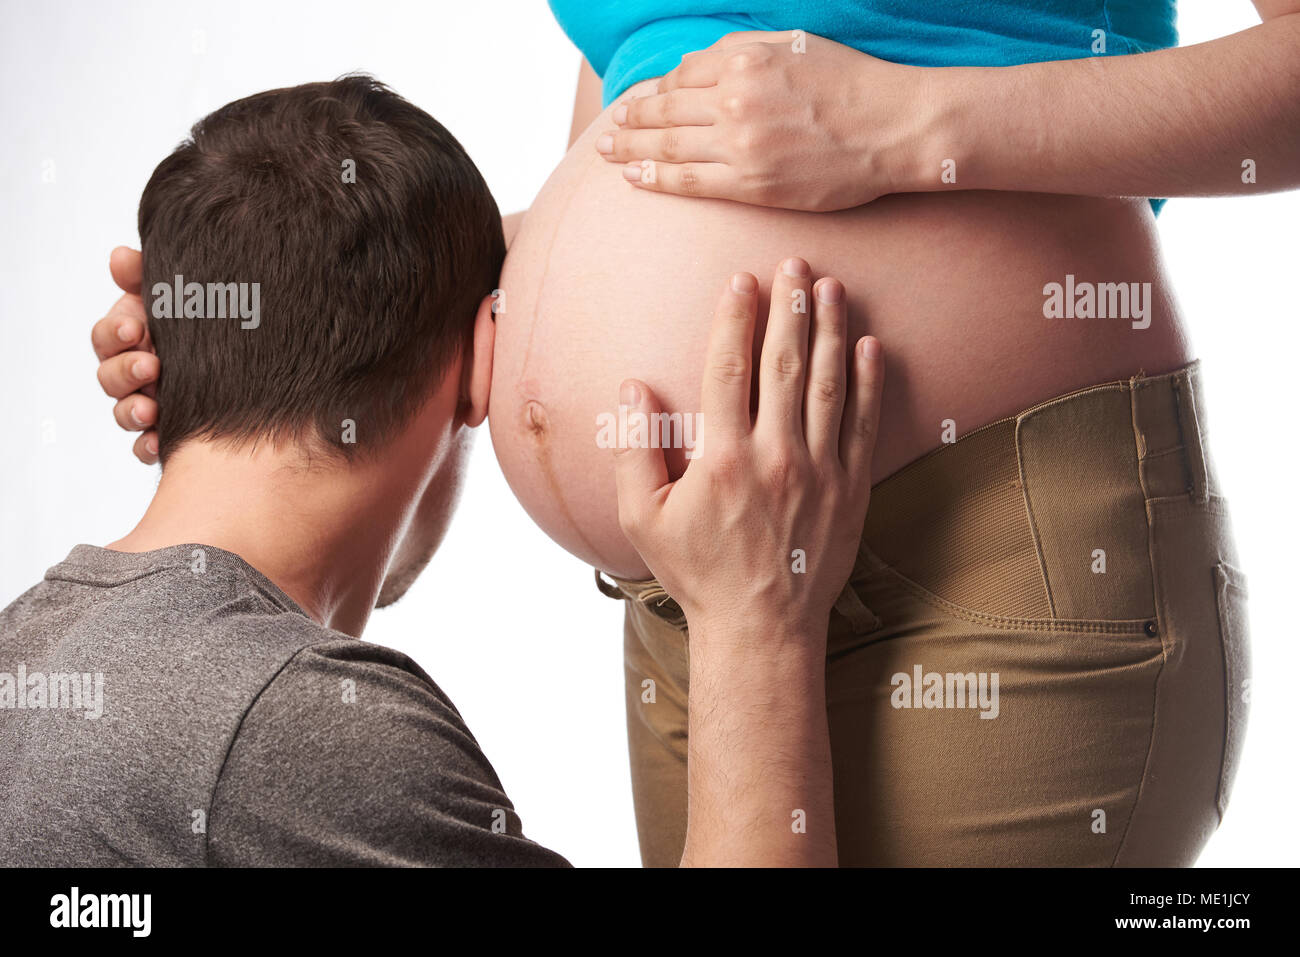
[{"x": 627, "y": 41}]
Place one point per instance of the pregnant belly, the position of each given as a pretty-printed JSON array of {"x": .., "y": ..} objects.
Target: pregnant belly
[{"x": 605, "y": 282}]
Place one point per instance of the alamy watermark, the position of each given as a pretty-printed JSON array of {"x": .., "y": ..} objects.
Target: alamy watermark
[
  {"x": 213, "y": 300},
  {"x": 69, "y": 691},
  {"x": 649, "y": 430},
  {"x": 933, "y": 689},
  {"x": 1105, "y": 300},
  {"x": 129, "y": 911}
]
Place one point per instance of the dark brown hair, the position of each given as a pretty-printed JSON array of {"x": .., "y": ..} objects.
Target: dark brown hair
[{"x": 368, "y": 289}]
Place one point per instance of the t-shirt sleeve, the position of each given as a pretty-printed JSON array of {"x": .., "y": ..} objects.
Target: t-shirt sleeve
[{"x": 351, "y": 755}]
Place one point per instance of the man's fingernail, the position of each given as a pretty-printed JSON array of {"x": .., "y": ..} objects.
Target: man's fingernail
[
  {"x": 126, "y": 331},
  {"x": 743, "y": 283},
  {"x": 630, "y": 394},
  {"x": 619, "y": 115},
  {"x": 139, "y": 369},
  {"x": 794, "y": 266},
  {"x": 870, "y": 347},
  {"x": 605, "y": 143},
  {"x": 830, "y": 291}
]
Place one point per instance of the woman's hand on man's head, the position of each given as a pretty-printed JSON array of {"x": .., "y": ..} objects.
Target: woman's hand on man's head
[{"x": 128, "y": 366}]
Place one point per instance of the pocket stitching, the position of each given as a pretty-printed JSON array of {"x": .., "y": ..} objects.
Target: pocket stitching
[{"x": 1119, "y": 626}]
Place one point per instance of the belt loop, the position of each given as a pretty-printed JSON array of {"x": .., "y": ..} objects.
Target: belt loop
[
  {"x": 860, "y": 618},
  {"x": 1190, "y": 426},
  {"x": 608, "y": 589}
]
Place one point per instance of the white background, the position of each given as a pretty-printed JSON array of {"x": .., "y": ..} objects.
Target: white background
[{"x": 510, "y": 625}]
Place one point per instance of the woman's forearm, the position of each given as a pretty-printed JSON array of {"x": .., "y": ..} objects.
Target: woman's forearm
[
  {"x": 1216, "y": 118},
  {"x": 510, "y": 225}
]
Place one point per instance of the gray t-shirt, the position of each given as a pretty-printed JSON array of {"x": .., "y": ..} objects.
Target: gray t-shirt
[{"x": 177, "y": 708}]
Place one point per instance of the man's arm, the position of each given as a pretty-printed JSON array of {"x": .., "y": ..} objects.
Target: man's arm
[
  {"x": 352, "y": 756},
  {"x": 755, "y": 542}
]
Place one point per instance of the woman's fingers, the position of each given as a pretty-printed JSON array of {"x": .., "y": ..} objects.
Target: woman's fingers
[
  {"x": 785, "y": 353},
  {"x": 862, "y": 410},
  {"x": 123, "y": 328},
  {"x": 703, "y": 67},
  {"x": 146, "y": 448},
  {"x": 754, "y": 36},
  {"x": 123, "y": 374},
  {"x": 724, "y": 396},
  {"x": 695, "y": 144},
  {"x": 703, "y": 180},
  {"x": 696, "y": 70},
  {"x": 827, "y": 369},
  {"x": 127, "y": 267},
  {"x": 659, "y": 111},
  {"x": 136, "y": 412},
  {"x": 127, "y": 363}
]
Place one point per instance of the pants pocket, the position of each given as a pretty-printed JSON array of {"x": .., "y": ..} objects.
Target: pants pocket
[{"x": 1234, "y": 633}]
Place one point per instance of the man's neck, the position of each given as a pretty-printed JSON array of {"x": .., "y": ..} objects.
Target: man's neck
[{"x": 323, "y": 534}]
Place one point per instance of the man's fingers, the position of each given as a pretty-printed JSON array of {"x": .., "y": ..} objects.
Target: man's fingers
[
  {"x": 676, "y": 145},
  {"x": 640, "y": 470},
  {"x": 127, "y": 267},
  {"x": 136, "y": 412},
  {"x": 724, "y": 396},
  {"x": 711, "y": 180},
  {"x": 862, "y": 410},
  {"x": 146, "y": 448},
  {"x": 785, "y": 353},
  {"x": 677, "y": 108},
  {"x": 824, "y": 403},
  {"x": 121, "y": 375}
]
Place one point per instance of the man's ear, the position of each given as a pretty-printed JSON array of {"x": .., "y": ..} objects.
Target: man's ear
[{"x": 477, "y": 371}]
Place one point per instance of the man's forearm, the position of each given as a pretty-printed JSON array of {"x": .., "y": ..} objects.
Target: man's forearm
[
  {"x": 1216, "y": 118},
  {"x": 759, "y": 777}
]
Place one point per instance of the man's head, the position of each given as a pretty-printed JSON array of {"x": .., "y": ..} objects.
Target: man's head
[
  {"x": 317, "y": 267},
  {"x": 332, "y": 244}
]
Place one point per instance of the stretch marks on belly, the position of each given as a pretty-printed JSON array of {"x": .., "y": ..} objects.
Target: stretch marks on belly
[{"x": 533, "y": 420}]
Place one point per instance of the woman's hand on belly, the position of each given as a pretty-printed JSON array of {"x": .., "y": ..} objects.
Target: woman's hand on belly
[
  {"x": 796, "y": 121},
  {"x": 782, "y": 119}
]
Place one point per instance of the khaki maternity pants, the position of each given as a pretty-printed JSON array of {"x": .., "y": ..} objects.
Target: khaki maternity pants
[{"x": 1040, "y": 657}]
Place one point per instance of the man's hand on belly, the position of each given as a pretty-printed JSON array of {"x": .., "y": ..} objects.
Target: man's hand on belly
[{"x": 755, "y": 542}]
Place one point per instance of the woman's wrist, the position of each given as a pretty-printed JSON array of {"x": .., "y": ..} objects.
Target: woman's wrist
[{"x": 936, "y": 131}]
